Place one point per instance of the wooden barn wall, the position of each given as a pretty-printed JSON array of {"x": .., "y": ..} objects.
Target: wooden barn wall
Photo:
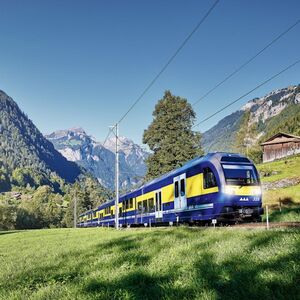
[{"x": 276, "y": 151}]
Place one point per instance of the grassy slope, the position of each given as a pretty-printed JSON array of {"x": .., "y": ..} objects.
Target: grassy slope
[
  {"x": 285, "y": 168},
  {"x": 176, "y": 263}
]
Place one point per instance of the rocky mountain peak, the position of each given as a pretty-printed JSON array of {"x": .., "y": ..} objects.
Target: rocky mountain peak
[
  {"x": 256, "y": 116},
  {"x": 76, "y": 145}
]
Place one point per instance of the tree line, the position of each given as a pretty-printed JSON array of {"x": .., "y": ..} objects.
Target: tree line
[{"x": 41, "y": 207}]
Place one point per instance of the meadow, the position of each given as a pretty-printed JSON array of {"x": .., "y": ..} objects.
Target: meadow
[
  {"x": 157, "y": 263},
  {"x": 284, "y": 203}
]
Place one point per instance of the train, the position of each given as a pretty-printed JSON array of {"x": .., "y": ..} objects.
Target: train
[{"x": 215, "y": 188}]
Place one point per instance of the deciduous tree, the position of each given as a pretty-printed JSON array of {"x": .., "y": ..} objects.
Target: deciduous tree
[{"x": 170, "y": 135}]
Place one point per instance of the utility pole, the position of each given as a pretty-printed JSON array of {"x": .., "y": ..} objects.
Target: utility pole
[
  {"x": 75, "y": 208},
  {"x": 117, "y": 178}
]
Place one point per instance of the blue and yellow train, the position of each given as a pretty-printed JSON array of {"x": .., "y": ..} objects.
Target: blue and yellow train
[{"x": 220, "y": 186}]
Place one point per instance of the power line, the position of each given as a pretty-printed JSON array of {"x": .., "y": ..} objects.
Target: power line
[
  {"x": 169, "y": 61},
  {"x": 108, "y": 135},
  {"x": 246, "y": 94},
  {"x": 247, "y": 62}
]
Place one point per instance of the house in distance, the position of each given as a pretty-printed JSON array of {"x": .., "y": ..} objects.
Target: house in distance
[{"x": 280, "y": 145}]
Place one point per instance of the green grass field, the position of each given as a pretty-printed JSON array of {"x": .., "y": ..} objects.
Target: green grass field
[
  {"x": 289, "y": 197},
  {"x": 166, "y": 263},
  {"x": 284, "y": 168}
]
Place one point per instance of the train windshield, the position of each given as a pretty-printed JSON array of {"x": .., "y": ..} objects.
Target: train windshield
[{"x": 240, "y": 175}]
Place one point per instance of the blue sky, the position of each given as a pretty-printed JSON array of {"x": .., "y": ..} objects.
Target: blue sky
[{"x": 83, "y": 63}]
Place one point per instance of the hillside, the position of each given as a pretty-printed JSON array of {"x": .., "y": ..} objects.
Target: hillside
[
  {"x": 25, "y": 151},
  {"x": 281, "y": 188},
  {"x": 170, "y": 263},
  {"x": 77, "y": 146},
  {"x": 257, "y": 120}
]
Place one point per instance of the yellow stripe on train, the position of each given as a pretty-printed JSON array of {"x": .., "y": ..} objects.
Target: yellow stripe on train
[{"x": 243, "y": 190}]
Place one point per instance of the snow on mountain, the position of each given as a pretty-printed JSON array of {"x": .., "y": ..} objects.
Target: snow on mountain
[{"x": 76, "y": 145}]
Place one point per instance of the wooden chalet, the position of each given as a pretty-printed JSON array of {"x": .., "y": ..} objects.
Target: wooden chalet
[{"x": 280, "y": 145}]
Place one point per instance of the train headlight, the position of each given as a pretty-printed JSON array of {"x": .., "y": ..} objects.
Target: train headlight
[
  {"x": 229, "y": 190},
  {"x": 257, "y": 191}
]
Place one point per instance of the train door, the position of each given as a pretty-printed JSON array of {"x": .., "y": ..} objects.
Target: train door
[
  {"x": 158, "y": 205},
  {"x": 180, "y": 201}
]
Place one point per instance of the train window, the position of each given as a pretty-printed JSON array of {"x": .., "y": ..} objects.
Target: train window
[
  {"x": 182, "y": 187},
  {"x": 209, "y": 178},
  {"x": 111, "y": 212},
  {"x": 151, "y": 205},
  {"x": 131, "y": 203},
  {"x": 235, "y": 159},
  {"x": 120, "y": 211},
  {"x": 176, "y": 189},
  {"x": 145, "y": 206},
  {"x": 140, "y": 207}
]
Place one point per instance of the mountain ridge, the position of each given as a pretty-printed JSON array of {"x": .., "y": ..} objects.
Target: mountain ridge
[
  {"x": 254, "y": 121},
  {"x": 22, "y": 145},
  {"x": 76, "y": 145}
]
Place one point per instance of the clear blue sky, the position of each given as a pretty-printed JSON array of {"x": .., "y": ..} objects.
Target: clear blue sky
[{"x": 83, "y": 63}]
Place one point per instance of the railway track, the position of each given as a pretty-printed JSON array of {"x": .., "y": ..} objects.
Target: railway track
[
  {"x": 239, "y": 225},
  {"x": 271, "y": 225}
]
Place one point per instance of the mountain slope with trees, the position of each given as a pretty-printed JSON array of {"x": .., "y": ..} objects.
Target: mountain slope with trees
[
  {"x": 26, "y": 157},
  {"x": 37, "y": 188},
  {"x": 259, "y": 119}
]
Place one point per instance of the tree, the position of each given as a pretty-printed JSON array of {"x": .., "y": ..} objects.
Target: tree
[
  {"x": 8, "y": 216},
  {"x": 88, "y": 194},
  {"x": 4, "y": 180},
  {"x": 170, "y": 135}
]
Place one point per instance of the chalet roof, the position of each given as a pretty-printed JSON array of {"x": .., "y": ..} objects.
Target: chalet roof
[{"x": 280, "y": 138}]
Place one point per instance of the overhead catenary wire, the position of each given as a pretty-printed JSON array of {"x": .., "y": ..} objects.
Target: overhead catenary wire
[
  {"x": 108, "y": 135},
  {"x": 248, "y": 61},
  {"x": 217, "y": 85},
  {"x": 169, "y": 61},
  {"x": 249, "y": 92},
  {"x": 163, "y": 68}
]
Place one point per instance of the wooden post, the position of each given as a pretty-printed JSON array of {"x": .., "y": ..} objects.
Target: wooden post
[
  {"x": 267, "y": 216},
  {"x": 280, "y": 204}
]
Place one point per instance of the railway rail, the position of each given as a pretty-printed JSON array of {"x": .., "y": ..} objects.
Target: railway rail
[{"x": 271, "y": 225}]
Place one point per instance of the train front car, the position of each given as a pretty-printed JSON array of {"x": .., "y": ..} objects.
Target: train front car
[{"x": 240, "y": 197}]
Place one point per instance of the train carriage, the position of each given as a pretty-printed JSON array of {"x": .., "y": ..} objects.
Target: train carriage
[{"x": 222, "y": 186}]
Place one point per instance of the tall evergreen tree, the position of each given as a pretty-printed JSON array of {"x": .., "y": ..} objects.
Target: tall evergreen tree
[{"x": 170, "y": 135}]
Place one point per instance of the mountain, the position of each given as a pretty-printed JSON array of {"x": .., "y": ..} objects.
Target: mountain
[
  {"x": 77, "y": 146},
  {"x": 24, "y": 152},
  {"x": 257, "y": 120}
]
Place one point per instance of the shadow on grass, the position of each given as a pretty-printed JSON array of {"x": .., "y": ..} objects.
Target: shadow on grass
[
  {"x": 236, "y": 276},
  {"x": 244, "y": 277},
  {"x": 137, "y": 285},
  {"x": 289, "y": 214},
  {"x": 9, "y": 232}
]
